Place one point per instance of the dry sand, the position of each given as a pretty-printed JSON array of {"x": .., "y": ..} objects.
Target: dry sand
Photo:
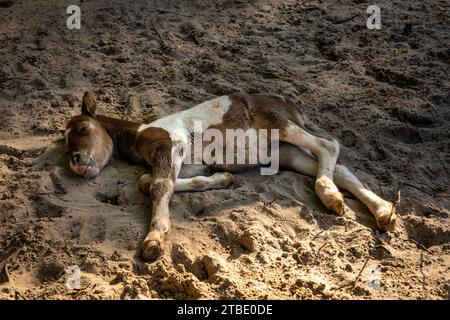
[{"x": 384, "y": 93}]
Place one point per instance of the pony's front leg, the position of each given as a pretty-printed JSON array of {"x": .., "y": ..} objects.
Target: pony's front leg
[
  {"x": 161, "y": 190},
  {"x": 219, "y": 180}
]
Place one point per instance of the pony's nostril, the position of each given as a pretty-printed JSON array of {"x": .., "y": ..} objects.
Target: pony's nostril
[{"x": 76, "y": 158}]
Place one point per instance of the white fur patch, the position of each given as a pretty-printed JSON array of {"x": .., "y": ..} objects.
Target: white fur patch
[{"x": 181, "y": 124}]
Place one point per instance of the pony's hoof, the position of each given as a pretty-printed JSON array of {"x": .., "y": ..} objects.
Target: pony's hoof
[
  {"x": 386, "y": 217},
  {"x": 151, "y": 249},
  {"x": 330, "y": 195},
  {"x": 227, "y": 179}
]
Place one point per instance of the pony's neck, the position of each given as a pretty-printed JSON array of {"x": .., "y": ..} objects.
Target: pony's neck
[{"x": 123, "y": 134}]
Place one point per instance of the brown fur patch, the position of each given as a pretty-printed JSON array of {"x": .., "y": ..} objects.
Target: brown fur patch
[
  {"x": 196, "y": 184},
  {"x": 155, "y": 146},
  {"x": 124, "y": 134},
  {"x": 269, "y": 111},
  {"x": 259, "y": 111},
  {"x": 160, "y": 188}
]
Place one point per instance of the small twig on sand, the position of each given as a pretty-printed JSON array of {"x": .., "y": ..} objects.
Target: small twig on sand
[
  {"x": 426, "y": 192},
  {"x": 428, "y": 173},
  {"x": 18, "y": 295},
  {"x": 344, "y": 20},
  {"x": 50, "y": 193},
  {"x": 444, "y": 166},
  {"x": 83, "y": 290},
  {"x": 4, "y": 274},
  {"x": 397, "y": 201},
  {"x": 4, "y": 79},
  {"x": 270, "y": 73},
  {"x": 360, "y": 271},
  {"x": 420, "y": 245},
  {"x": 353, "y": 284},
  {"x": 157, "y": 32},
  {"x": 266, "y": 204},
  {"x": 381, "y": 190},
  {"x": 318, "y": 252},
  {"x": 66, "y": 248},
  {"x": 398, "y": 195},
  {"x": 421, "y": 269},
  {"x": 162, "y": 44},
  {"x": 357, "y": 166},
  {"x": 318, "y": 234}
]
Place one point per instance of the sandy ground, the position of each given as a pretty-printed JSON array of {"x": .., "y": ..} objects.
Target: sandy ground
[{"x": 384, "y": 93}]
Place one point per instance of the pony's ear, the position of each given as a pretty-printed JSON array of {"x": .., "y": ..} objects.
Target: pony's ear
[{"x": 88, "y": 105}]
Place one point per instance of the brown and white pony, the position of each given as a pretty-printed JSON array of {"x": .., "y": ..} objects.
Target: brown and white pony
[{"x": 92, "y": 138}]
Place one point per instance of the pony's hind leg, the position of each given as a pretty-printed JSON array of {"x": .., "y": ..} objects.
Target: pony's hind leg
[
  {"x": 296, "y": 159},
  {"x": 326, "y": 151}
]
